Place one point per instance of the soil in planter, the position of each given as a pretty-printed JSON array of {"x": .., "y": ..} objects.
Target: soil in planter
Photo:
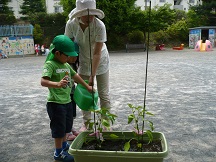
[{"x": 118, "y": 145}]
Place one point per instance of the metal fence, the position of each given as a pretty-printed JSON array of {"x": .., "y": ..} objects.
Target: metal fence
[{"x": 16, "y": 30}]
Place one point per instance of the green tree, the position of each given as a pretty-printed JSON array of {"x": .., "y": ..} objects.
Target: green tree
[
  {"x": 68, "y": 6},
  {"x": 38, "y": 34},
  {"x": 206, "y": 12},
  {"x": 162, "y": 18},
  {"x": 6, "y": 15},
  {"x": 178, "y": 30},
  {"x": 193, "y": 19},
  {"x": 117, "y": 13},
  {"x": 31, "y": 7}
]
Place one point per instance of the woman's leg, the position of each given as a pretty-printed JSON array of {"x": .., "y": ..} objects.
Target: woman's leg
[{"x": 103, "y": 90}]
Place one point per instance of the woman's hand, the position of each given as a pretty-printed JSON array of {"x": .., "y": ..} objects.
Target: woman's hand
[{"x": 91, "y": 80}]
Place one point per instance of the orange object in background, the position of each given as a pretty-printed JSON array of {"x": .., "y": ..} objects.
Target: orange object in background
[{"x": 179, "y": 48}]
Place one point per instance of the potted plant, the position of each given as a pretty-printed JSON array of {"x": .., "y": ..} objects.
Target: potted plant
[{"x": 115, "y": 146}]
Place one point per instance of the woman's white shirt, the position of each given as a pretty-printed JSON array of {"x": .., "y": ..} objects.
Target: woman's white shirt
[{"x": 97, "y": 34}]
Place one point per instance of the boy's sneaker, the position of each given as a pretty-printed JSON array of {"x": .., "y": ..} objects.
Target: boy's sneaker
[
  {"x": 67, "y": 147},
  {"x": 64, "y": 156}
]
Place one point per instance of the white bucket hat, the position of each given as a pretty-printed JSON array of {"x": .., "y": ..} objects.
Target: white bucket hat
[{"x": 82, "y": 7}]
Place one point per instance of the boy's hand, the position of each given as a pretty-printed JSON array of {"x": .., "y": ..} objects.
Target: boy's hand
[
  {"x": 63, "y": 82},
  {"x": 90, "y": 89}
]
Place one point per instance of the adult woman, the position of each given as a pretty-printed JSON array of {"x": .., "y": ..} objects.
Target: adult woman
[{"x": 93, "y": 53}]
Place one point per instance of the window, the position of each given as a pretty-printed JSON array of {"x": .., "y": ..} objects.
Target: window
[
  {"x": 191, "y": 1},
  {"x": 162, "y": 0},
  {"x": 57, "y": 9}
]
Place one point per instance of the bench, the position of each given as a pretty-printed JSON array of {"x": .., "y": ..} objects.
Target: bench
[{"x": 135, "y": 46}]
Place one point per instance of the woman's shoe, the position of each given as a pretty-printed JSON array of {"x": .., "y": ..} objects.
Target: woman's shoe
[
  {"x": 74, "y": 132},
  {"x": 70, "y": 136},
  {"x": 83, "y": 128}
]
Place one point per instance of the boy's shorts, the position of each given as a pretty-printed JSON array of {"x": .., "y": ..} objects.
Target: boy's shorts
[{"x": 61, "y": 118}]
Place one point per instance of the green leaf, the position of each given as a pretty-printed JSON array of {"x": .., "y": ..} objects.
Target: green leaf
[
  {"x": 105, "y": 123},
  {"x": 151, "y": 125},
  {"x": 150, "y": 136},
  {"x": 139, "y": 145},
  {"x": 127, "y": 146},
  {"x": 113, "y": 136},
  {"x": 130, "y": 118},
  {"x": 148, "y": 113}
]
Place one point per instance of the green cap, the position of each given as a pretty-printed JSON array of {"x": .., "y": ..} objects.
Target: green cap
[{"x": 64, "y": 44}]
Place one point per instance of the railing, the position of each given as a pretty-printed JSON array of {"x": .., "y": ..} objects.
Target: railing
[{"x": 16, "y": 30}]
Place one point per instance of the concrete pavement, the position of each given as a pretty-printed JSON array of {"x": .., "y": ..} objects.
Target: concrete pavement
[{"x": 181, "y": 92}]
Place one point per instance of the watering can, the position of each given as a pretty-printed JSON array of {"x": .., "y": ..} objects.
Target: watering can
[{"x": 84, "y": 99}]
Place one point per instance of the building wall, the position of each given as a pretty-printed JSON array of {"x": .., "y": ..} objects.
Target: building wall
[
  {"x": 17, "y": 45},
  {"x": 15, "y": 6},
  {"x": 53, "y": 6},
  {"x": 183, "y": 5}
]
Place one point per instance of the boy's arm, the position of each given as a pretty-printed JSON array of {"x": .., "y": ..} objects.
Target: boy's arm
[
  {"x": 79, "y": 80},
  {"x": 45, "y": 81}
]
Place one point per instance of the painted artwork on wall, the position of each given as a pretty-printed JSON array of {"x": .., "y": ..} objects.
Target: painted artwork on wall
[
  {"x": 212, "y": 36},
  {"x": 22, "y": 45},
  {"x": 194, "y": 36}
]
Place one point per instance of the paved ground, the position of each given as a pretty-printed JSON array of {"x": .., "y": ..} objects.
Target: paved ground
[{"x": 181, "y": 92}]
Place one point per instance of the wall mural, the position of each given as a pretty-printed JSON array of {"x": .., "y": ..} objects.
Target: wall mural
[
  {"x": 194, "y": 36},
  {"x": 17, "y": 45}
]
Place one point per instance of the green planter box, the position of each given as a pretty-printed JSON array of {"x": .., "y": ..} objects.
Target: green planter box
[{"x": 116, "y": 156}]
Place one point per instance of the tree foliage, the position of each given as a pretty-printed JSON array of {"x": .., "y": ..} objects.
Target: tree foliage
[
  {"x": 206, "y": 13},
  {"x": 6, "y": 15},
  {"x": 161, "y": 18},
  {"x": 68, "y": 6},
  {"x": 4, "y": 9},
  {"x": 31, "y": 7},
  {"x": 38, "y": 34},
  {"x": 178, "y": 30}
]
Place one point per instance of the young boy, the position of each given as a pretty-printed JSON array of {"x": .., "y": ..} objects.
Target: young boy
[{"x": 57, "y": 75}]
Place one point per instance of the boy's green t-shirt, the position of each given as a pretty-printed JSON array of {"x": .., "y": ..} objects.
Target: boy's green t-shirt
[{"x": 56, "y": 71}]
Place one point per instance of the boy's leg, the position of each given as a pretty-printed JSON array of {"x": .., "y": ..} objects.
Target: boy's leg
[{"x": 59, "y": 126}]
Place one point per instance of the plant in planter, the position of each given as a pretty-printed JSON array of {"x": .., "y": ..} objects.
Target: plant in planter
[
  {"x": 102, "y": 122},
  {"x": 119, "y": 145},
  {"x": 138, "y": 115}
]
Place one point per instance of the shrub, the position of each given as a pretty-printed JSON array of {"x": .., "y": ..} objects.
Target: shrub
[
  {"x": 136, "y": 37},
  {"x": 38, "y": 34}
]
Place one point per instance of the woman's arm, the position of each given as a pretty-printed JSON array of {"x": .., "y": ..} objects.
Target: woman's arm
[{"x": 96, "y": 61}]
